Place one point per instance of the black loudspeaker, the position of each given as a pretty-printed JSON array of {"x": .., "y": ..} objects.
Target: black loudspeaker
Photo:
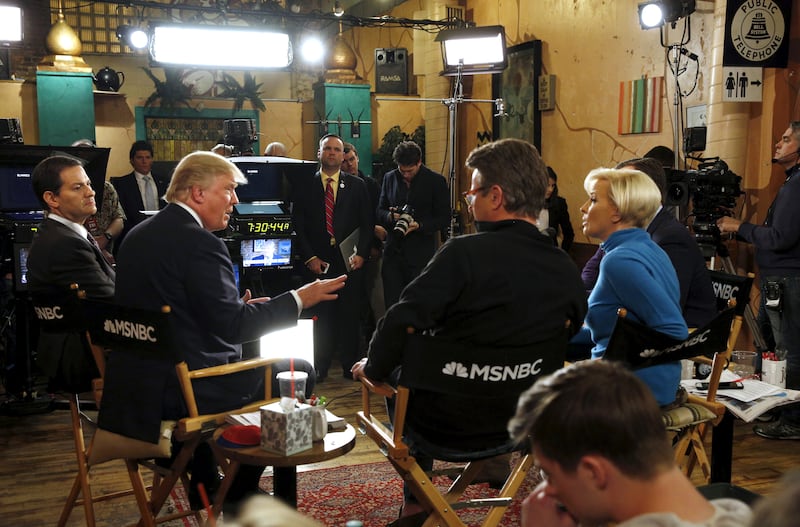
[
  {"x": 694, "y": 139},
  {"x": 10, "y": 131},
  {"x": 391, "y": 70}
]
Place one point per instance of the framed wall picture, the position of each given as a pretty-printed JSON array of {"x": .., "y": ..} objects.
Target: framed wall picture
[{"x": 518, "y": 86}]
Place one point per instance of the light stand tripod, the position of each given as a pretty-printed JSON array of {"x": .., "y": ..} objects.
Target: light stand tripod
[{"x": 452, "y": 109}]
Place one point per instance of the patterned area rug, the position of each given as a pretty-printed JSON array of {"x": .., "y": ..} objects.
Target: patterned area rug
[{"x": 371, "y": 492}]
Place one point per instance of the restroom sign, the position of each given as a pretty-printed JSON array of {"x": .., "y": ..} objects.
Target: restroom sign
[
  {"x": 757, "y": 33},
  {"x": 742, "y": 84}
]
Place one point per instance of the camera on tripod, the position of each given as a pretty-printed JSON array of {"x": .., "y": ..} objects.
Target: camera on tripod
[
  {"x": 713, "y": 190},
  {"x": 405, "y": 220}
]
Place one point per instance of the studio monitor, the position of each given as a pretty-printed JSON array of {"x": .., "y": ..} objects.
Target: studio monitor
[{"x": 391, "y": 70}]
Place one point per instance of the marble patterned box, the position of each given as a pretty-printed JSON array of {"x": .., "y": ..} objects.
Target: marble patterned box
[{"x": 283, "y": 432}]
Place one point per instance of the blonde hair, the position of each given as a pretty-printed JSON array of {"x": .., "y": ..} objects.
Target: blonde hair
[
  {"x": 199, "y": 169},
  {"x": 633, "y": 192}
]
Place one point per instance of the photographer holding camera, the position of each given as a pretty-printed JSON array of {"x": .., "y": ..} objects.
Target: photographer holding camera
[
  {"x": 414, "y": 206},
  {"x": 777, "y": 251}
]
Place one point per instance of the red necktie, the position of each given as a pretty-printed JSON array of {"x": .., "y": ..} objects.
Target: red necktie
[{"x": 329, "y": 207}]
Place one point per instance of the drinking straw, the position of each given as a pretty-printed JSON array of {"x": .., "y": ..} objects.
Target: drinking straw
[
  {"x": 291, "y": 369},
  {"x": 212, "y": 521}
]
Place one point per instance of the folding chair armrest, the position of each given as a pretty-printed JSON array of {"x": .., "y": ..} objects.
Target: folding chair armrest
[
  {"x": 234, "y": 367},
  {"x": 379, "y": 388},
  {"x": 389, "y": 440}
]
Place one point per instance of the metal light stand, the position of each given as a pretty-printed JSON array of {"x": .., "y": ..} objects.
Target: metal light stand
[{"x": 452, "y": 108}]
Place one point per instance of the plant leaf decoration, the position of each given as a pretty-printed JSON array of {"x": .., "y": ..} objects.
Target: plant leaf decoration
[{"x": 171, "y": 92}]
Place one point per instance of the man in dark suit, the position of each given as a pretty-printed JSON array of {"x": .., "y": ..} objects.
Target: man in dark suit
[
  {"x": 375, "y": 307},
  {"x": 174, "y": 259},
  {"x": 63, "y": 252},
  {"x": 335, "y": 206},
  {"x": 140, "y": 190},
  {"x": 425, "y": 194},
  {"x": 697, "y": 294}
]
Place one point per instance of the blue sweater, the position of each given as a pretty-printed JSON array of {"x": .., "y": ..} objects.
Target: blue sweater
[{"x": 636, "y": 274}]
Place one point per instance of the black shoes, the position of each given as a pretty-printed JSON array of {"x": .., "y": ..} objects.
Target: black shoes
[{"x": 778, "y": 430}]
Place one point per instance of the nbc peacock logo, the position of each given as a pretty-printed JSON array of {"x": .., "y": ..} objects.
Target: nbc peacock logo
[{"x": 455, "y": 368}]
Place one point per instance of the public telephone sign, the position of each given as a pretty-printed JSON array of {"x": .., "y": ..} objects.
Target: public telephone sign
[{"x": 757, "y": 33}]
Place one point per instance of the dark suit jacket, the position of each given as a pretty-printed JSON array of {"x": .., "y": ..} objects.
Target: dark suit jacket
[
  {"x": 559, "y": 219},
  {"x": 59, "y": 257},
  {"x": 351, "y": 211},
  {"x": 170, "y": 259},
  {"x": 430, "y": 198},
  {"x": 131, "y": 200},
  {"x": 697, "y": 294}
]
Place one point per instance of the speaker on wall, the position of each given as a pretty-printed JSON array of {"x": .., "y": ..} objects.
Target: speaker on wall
[{"x": 391, "y": 70}]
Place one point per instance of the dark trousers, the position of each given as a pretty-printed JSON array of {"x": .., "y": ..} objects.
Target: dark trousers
[
  {"x": 785, "y": 325},
  {"x": 397, "y": 273},
  {"x": 337, "y": 330}
]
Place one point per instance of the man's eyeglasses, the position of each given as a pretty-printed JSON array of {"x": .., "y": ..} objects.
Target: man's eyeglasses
[{"x": 469, "y": 195}]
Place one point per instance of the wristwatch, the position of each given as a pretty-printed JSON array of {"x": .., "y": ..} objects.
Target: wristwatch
[{"x": 108, "y": 236}]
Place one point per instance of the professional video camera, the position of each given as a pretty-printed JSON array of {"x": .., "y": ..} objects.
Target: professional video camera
[{"x": 713, "y": 190}]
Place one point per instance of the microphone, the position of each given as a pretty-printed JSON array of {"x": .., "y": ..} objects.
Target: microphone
[
  {"x": 500, "y": 105},
  {"x": 785, "y": 157}
]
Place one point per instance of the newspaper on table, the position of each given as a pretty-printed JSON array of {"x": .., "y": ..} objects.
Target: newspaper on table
[{"x": 756, "y": 398}]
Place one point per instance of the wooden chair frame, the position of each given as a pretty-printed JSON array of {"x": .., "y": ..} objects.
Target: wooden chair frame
[
  {"x": 71, "y": 320},
  {"x": 441, "y": 507},
  {"x": 202, "y": 426},
  {"x": 191, "y": 431},
  {"x": 689, "y": 446}
]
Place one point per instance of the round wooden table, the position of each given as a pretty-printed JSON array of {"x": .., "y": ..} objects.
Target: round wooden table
[{"x": 284, "y": 485}]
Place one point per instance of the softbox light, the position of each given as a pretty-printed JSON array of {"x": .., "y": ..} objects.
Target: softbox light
[
  {"x": 10, "y": 23},
  {"x": 473, "y": 50},
  {"x": 223, "y": 47}
]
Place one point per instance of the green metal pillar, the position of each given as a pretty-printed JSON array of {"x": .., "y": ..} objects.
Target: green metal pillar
[
  {"x": 65, "y": 102},
  {"x": 342, "y": 105}
]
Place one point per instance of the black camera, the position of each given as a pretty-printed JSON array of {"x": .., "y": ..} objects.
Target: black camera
[
  {"x": 713, "y": 190},
  {"x": 405, "y": 220}
]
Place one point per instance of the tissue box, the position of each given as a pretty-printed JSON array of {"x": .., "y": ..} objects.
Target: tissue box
[{"x": 283, "y": 432}]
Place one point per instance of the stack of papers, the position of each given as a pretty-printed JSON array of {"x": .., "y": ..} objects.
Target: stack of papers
[
  {"x": 754, "y": 399},
  {"x": 335, "y": 423}
]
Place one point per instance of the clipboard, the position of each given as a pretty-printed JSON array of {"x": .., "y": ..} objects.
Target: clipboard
[{"x": 349, "y": 247}]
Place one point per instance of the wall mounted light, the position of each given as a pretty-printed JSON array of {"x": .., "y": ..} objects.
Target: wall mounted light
[
  {"x": 133, "y": 36},
  {"x": 10, "y": 23},
  {"x": 473, "y": 50},
  {"x": 656, "y": 13},
  {"x": 224, "y": 47}
]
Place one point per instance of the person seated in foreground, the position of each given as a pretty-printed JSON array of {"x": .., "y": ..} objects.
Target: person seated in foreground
[
  {"x": 635, "y": 273},
  {"x": 173, "y": 258},
  {"x": 698, "y": 302},
  {"x": 505, "y": 286},
  {"x": 782, "y": 508},
  {"x": 599, "y": 441}
]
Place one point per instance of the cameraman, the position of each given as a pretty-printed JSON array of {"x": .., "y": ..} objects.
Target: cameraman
[
  {"x": 419, "y": 198},
  {"x": 777, "y": 251}
]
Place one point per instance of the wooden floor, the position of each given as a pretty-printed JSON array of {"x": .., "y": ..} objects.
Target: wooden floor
[{"x": 37, "y": 463}]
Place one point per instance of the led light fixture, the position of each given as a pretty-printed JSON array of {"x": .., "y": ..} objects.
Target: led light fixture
[
  {"x": 473, "y": 50},
  {"x": 10, "y": 23},
  {"x": 659, "y": 12},
  {"x": 224, "y": 47},
  {"x": 133, "y": 36}
]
